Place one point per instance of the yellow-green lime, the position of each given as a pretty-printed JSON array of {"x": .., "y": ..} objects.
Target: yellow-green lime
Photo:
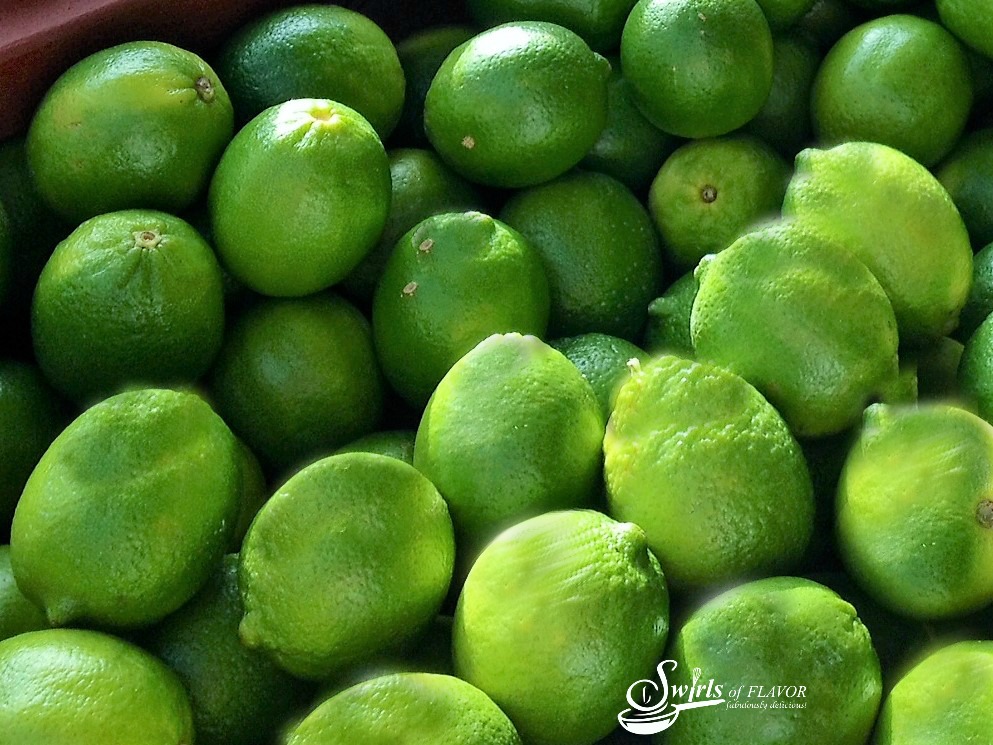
[
  {"x": 979, "y": 304},
  {"x": 141, "y": 124},
  {"x": 518, "y": 104},
  {"x": 600, "y": 252},
  {"x": 18, "y": 615},
  {"x": 705, "y": 465},
  {"x": 899, "y": 80},
  {"x": 352, "y": 555},
  {"x": 128, "y": 512},
  {"x": 512, "y": 430},
  {"x": 452, "y": 281},
  {"x": 970, "y": 22},
  {"x": 408, "y": 708},
  {"x": 559, "y": 615},
  {"x": 892, "y": 214},
  {"x": 129, "y": 298},
  {"x": 709, "y": 192},
  {"x": 238, "y": 695},
  {"x": 668, "y": 328},
  {"x": 314, "y": 51},
  {"x": 598, "y": 22},
  {"x": 717, "y": 55},
  {"x": 795, "y": 643},
  {"x": 270, "y": 238},
  {"x": 297, "y": 378},
  {"x": 397, "y": 444},
  {"x": 802, "y": 320},
  {"x": 605, "y": 362},
  {"x": 944, "y": 698},
  {"x": 64, "y": 686},
  {"x": 965, "y": 175},
  {"x": 914, "y": 518},
  {"x": 422, "y": 186}
]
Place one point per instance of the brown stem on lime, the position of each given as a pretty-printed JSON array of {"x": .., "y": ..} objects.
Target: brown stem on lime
[
  {"x": 708, "y": 194},
  {"x": 146, "y": 238},
  {"x": 205, "y": 89},
  {"x": 984, "y": 513}
]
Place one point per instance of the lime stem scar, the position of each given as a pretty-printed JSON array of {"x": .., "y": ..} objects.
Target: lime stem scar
[
  {"x": 708, "y": 194},
  {"x": 205, "y": 89},
  {"x": 984, "y": 513},
  {"x": 146, "y": 238}
]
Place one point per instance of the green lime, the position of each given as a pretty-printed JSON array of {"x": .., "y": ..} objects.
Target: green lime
[
  {"x": 87, "y": 688},
  {"x": 128, "y": 512},
  {"x": 518, "y": 104},
  {"x": 408, "y": 708},
  {"x": 699, "y": 460},
  {"x": 630, "y": 148},
  {"x": 937, "y": 369},
  {"x": 603, "y": 360},
  {"x": 718, "y": 61},
  {"x": 709, "y": 192},
  {"x": 975, "y": 372},
  {"x": 970, "y": 21},
  {"x": 137, "y": 125},
  {"x": 421, "y": 54},
  {"x": 269, "y": 237},
  {"x": 297, "y": 378},
  {"x": 352, "y": 555},
  {"x": 397, "y": 444},
  {"x": 238, "y": 696},
  {"x": 558, "y": 616},
  {"x": 451, "y": 282},
  {"x": 826, "y": 22},
  {"x": 599, "y": 249},
  {"x": 782, "y": 14},
  {"x": 30, "y": 418},
  {"x": 915, "y": 524},
  {"x": 598, "y": 22},
  {"x": 252, "y": 493},
  {"x": 130, "y": 297},
  {"x": 668, "y": 328},
  {"x": 794, "y": 663},
  {"x": 979, "y": 304},
  {"x": 18, "y": 615},
  {"x": 511, "y": 431},
  {"x": 965, "y": 175},
  {"x": 802, "y": 320},
  {"x": 900, "y": 80},
  {"x": 314, "y": 51},
  {"x": 944, "y": 698},
  {"x": 892, "y": 214}
]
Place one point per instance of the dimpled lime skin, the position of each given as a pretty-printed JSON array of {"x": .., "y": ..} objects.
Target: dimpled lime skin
[
  {"x": 709, "y": 470},
  {"x": 452, "y": 281},
  {"x": 270, "y": 238},
  {"x": 62, "y": 686},
  {"x": 412, "y": 708},
  {"x": 599, "y": 22},
  {"x": 129, "y": 511},
  {"x": 970, "y": 22},
  {"x": 559, "y": 615},
  {"x": 668, "y": 328},
  {"x": 946, "y": 697},
  {"x": 718, "y": 61},
  {"x": 907, "y": 510},
  {"x": 352, "y": 555},
  {"x": 511, "y": 431},
  {"x": 800, "y": 319},
  {"x": 892, "y": 214},
  {"x": 603, "y": 360},
  {"x": 126, "y": 127},
  {"x": 965, "y": 174},
  {"x": 17, "y": 614},
  {"x": 397, "y": 444},
  {"x": 782, "y": 631},
  {"x": 518, "y": 104}
]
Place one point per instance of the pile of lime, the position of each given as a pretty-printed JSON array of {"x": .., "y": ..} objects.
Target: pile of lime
[{"x": 536, "y": 380}]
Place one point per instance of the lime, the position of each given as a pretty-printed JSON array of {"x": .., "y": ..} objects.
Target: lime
[
  {"x": 397, "y": 444},
  {"x": 408, "y": 708},
  {"x": 422, "y": 186},
  {"x": 802, "y": 320},
  {"x": 314, "y": 51},
  {"x": 915, "y": 525},
  {"x": 782, "y": 14},
  {"x": 252, "y": 493},
  {"x": 944, "y": 698},
  {"x": 892, "y": 214},
  {"x": 900, "y": 80},
  {"x": 297, "y": 378},
  {"x": 668, "y": 328},
  {"x": 352, "y": 555},
  {"x": 826, "y": 22},
  {"x": 18, "y": 615},
  {"x": 518, "y": 104},
  {"x": 975, "y": 372},
  {"x": 268, "y": 236},
  {"x": 87, "y": 688},
  {"x": 130, "y": 297},
  {"x": 599, "y": 249},
  {"x": 451, "y": 282},
  {"x": 630, "y": 148},
  {"x": 603, "y": 360},
  {"x": 796, "y": 659},
  {"x": 709, "y": 192},
  {"x": 970, "y": 21},
  {"x": 965, "y": 175},
  {"x": 709, "y": 470},
  {"x": 511, "y": 431},
  {"x": 979, "y": 304},
  {"x": 129, "y": 510},
  {"x": 30, "y": 418},
  {"x": 137, "y": 125},
  {"x": 238, "y": 696},
  {"x": 937, "y": 369},
  {"x": 718, "y": 61},
  {"x": 568, "y": 601},
  {"x": 599, "y": 22}
]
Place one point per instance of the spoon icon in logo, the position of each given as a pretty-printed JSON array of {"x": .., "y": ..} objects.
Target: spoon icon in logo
[{"x": 646, "y": 717}]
